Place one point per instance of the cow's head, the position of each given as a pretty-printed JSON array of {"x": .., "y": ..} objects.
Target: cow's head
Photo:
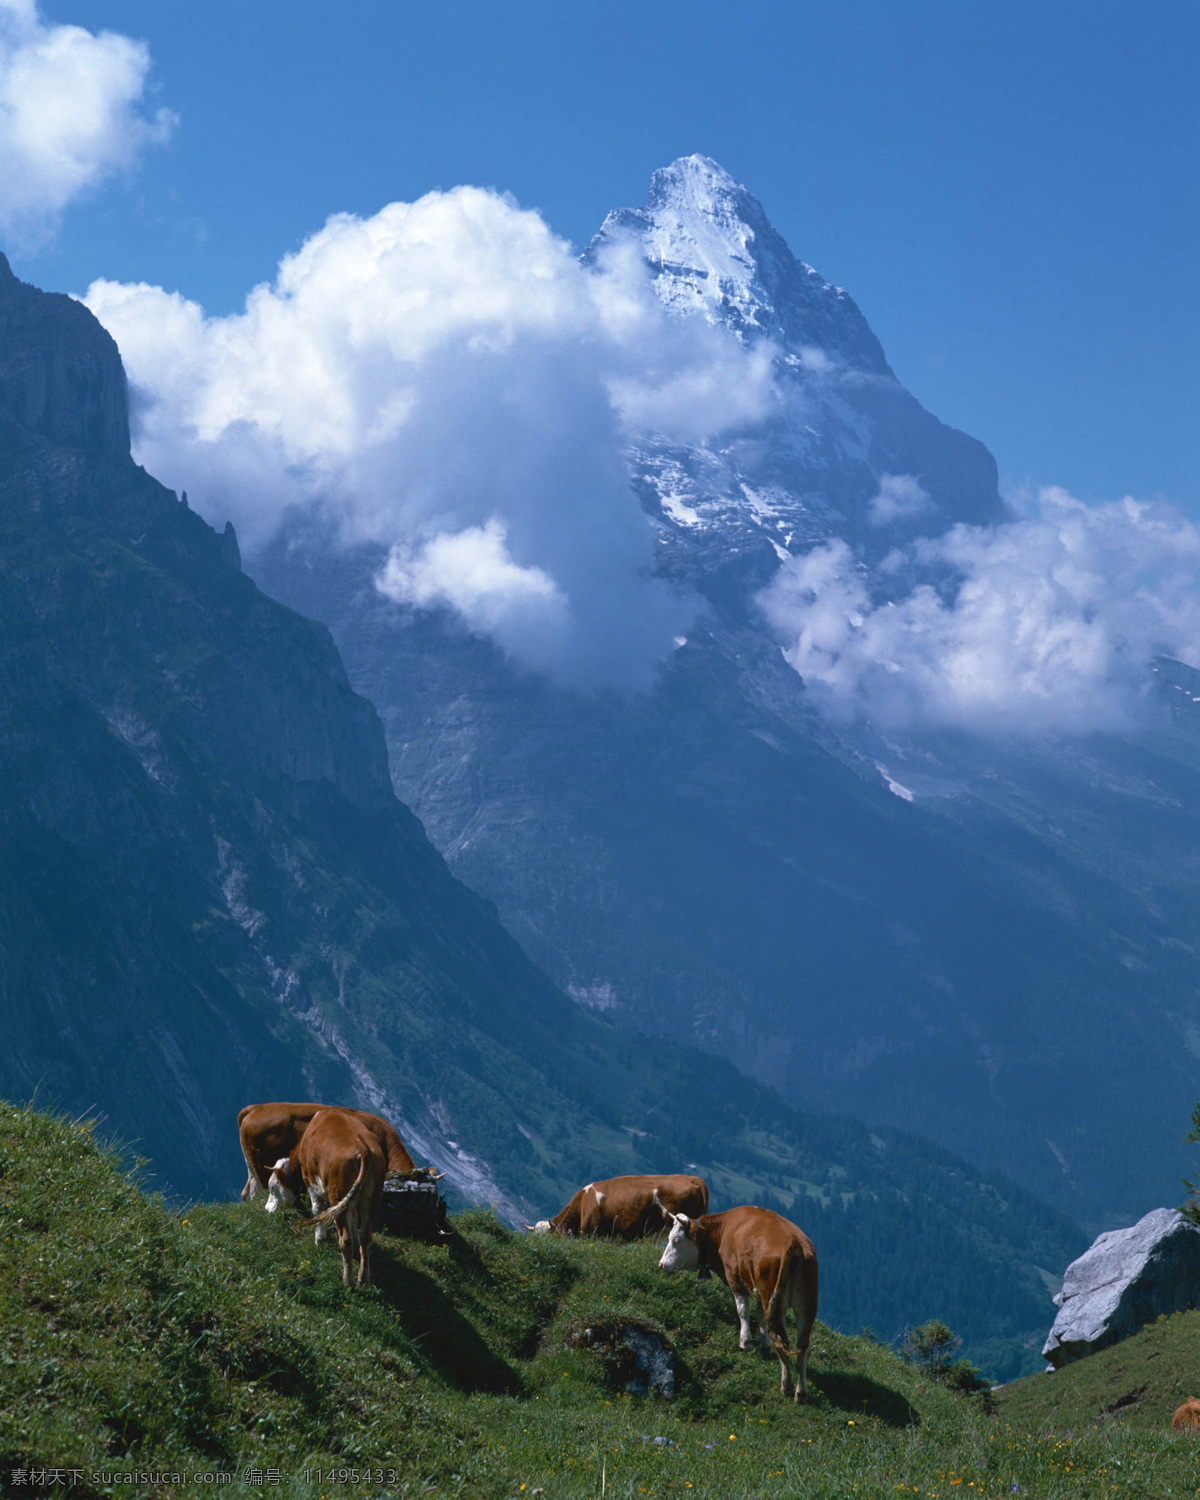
[
  {"x": 282, "y": 1186},
  {"x": 681, "y": 1252}
]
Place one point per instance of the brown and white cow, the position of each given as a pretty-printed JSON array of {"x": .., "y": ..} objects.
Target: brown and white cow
[
  {"x": 269, "y": 1131},
  {"x": 628, "y": 1208},
  {"x": 756, "y": 1253},
  {"x": 342, "y": 1165},
  {"x": 1187, "y": 1417}
]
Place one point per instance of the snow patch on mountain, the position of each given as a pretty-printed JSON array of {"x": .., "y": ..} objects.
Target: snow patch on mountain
[
  {"x": 711, "y": 251},
  {"x": 446, "y": 381}
]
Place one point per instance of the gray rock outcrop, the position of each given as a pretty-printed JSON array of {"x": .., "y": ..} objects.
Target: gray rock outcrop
[
  {"x": 1126, "y": 1279},
  {"x": 61, "y": 375},
  {"x": 654, "y": 1361}
]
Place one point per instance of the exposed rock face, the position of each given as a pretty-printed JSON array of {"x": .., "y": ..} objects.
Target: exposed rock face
[
  {"x": 843, "y": 420},
  {"x": 1125, "y": 1280},
  {"x": 61, "y": 375},
  {"x": 713, "y": 862},
  {"x": 711, "y": 249},
  {"x": 654, "y": 1362},
  {"x": 209, "y": 895},
  {"x": 641, "y": 1362}
]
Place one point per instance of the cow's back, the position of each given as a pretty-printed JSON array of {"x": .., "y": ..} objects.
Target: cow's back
[
  {"x": 270, "y": 1131},
  {"x": 335, "y": 1148},
  {"x": 757, "y": 1246},
  {"x": 635, "y": 1206},
  {"x": 683, "y": 1194},
  {"x": 394, "y": 1149}
]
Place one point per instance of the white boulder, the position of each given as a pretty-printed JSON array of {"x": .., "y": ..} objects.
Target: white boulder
[{"x": 1124, "y": 1281}]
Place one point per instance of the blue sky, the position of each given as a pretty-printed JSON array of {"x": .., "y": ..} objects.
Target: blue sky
[{"x": 1008, "y": 190}]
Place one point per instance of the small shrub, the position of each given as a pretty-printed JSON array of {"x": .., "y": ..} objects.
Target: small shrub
[{"x": 931, "y": 1347}]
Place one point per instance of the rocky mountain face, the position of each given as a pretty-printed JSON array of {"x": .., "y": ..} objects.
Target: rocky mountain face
[
  {"x": 842, "y": 421},
  {"x": 994, "y": 944},
  {"x": 210, "y": 894}
]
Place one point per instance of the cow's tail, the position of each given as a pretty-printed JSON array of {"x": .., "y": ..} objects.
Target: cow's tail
[
  {"x": 781, "y": 1298},
  {"x": 253, "y": 1180},
  {"x": 336, "y": 1208}
]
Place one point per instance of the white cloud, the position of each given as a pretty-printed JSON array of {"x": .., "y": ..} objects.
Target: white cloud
[
  {"x": 446, "y": 379},
  {"x": 472, "y": 572},
  {"x": 1045, "y": 623},
  {"x": 900, "y": 497},
  {"x": 68, "y": 116}
]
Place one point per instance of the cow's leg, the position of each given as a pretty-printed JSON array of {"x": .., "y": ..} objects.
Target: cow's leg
[
  {"x": 785, "y": 1378},
  {"x": 344, "y": 1245},
  {"x": 764, "y": 1336},
  {"x": 360, "y": 1240},
  {"x": 776, "y": 1301},
  {"x": 805, "y": 1318},
  {"x": 364, "y": 1259},
  {"x": 319, "y": 1199},
  {"x": 741, "y": 1300},
  {"x": 253, "y": 1185}
]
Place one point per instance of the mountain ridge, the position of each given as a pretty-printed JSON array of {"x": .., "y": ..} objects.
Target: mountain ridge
[
  {"x": 209, "y": 894},
  {"x": 697, "y": 212},
  {"x": 717, "y": 862}
]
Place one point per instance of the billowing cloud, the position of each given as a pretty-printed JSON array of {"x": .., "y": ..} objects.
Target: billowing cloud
[
  {"x": 1049, "y": 622},
  {"x": 446, "y": 379},
  {"x": 522, "y": 608},
  {"x": 900, "y": 497},
  {"x": 69, "y": 116}
]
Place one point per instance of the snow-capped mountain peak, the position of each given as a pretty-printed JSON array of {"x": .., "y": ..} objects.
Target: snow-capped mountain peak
[
  {"x": 711, "y": 250},
  {"x": 844, "y": 435}
]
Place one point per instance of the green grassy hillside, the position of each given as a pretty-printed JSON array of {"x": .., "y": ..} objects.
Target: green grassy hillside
[
  {"x": 218, "y": 1340},
  {"x": 1136, "y": 1384}
]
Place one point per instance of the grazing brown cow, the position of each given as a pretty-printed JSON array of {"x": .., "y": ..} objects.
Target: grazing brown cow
[
  {"x": 269, "y": 1131},
  {"x": 1187, "y": 1417},
  {"x": 342, "y": 1165},
  {"x": 627, "y": 1208},
  {"x": 755, "y": 1253}
]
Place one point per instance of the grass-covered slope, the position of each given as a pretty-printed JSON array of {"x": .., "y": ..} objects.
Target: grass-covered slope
[
  {"x": 218, "y": 1340},
  {"x": 1137, "y": 1383}
]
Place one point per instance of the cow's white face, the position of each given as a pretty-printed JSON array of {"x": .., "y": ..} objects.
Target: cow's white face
[
  {"x": 543, "y": 1226},
  {"x": 680, "y": 1253},
  {"x": 279, "y": 1194}
]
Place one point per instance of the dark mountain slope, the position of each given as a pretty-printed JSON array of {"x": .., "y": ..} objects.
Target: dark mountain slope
[
  {"x": 994, "y": 942},
  {"x": 711, "y": 864},
  {"x": 206, "y": 870},
  {"x": 209, "y": 894}
]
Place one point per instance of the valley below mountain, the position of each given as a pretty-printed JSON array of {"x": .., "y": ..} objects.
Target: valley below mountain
[
  {"x": 210, "y": 895},
  {"x": 990, "y": 937}
]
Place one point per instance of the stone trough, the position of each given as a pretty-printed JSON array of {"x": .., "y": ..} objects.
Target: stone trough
[{"x": 413, "y": 1206}]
